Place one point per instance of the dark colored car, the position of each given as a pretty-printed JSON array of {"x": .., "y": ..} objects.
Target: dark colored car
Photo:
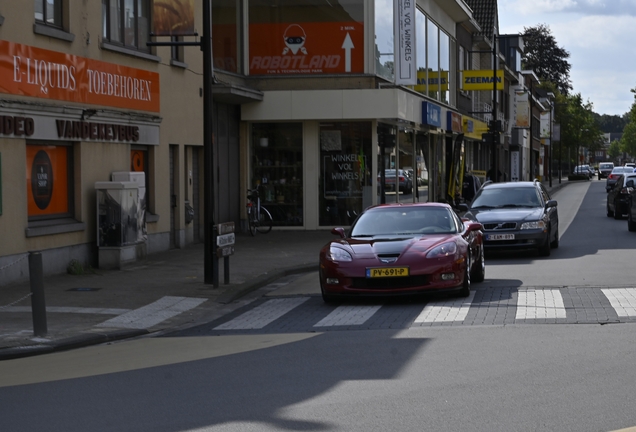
[
  {"x": 604, "y": 169},
  {"x": 516, "y": 216},
  {"x": 402, "y": 249},
  {"x": 613, "y": 176},
  {"x": 618, "y": 196},
  {"x": 631, "y": 205}
]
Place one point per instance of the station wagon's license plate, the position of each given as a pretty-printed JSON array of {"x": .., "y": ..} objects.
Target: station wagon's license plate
[
  {"x": 500, "y": 237},
  {"x": 387, "y": 272}
]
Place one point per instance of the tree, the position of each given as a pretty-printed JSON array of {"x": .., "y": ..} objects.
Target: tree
[
  {"x": 628, "y": 140},
  {"x": 614, "y": 150},
  {"x": 543, "y": 56},
  {"x": 611, "y": 123}
]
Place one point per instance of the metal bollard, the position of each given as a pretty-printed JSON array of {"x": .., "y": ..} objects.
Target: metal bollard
[{"x": 38, "y": 305}]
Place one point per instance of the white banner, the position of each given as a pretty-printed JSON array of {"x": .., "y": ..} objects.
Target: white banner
[
  {"x": 521, "y": 110},
  {"x": 404, "y": 41},
  {"x": 544, "y": 129}
]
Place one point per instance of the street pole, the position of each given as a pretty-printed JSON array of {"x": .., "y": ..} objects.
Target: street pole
[
  {"x": 495, "y": 128},
  {"x": 211, "y": 270}
]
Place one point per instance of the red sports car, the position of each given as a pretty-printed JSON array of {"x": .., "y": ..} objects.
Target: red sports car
[{"x": 397, "y": 249}]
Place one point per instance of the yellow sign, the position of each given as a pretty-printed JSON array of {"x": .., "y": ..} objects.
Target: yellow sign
[
  {"x": 481, "y": 80},
  {"x": 435, "y": 80}
]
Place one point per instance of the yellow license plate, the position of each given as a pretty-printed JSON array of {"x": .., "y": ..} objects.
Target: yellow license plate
[{"x": 387, "y": 272}]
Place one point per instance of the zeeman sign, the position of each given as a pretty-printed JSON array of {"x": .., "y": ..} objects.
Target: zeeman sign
[{"x": 481, "y": 80}]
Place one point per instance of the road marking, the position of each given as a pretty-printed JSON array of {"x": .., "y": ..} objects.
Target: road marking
[
  {"x": 154, "y": 313},
  {"x": 540, "y": 304},
  {"x": 348, "y": 315},
  {"x": 263, "y": 314},
  {"x": 623, "y": 300},
  {"x": 446, "y": 311},
  {"x": 69, "y": 309}
]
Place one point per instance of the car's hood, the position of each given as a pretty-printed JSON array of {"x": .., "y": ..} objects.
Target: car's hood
[
  {"x": 373, "y": 247},
  {"x": 506, "y": 214}
]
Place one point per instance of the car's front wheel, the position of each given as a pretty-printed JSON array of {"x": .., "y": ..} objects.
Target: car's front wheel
[
  {"x": 479, "y": 268},
  {"x": 465, "y": 289},
  {"x": 544, "y": 249},
  {"x": 631, "y": 225}
]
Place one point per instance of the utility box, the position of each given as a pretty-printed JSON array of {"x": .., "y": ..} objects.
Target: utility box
[
  {"x": 138, "y": 177},
  {"x": 117, "y": 225}
]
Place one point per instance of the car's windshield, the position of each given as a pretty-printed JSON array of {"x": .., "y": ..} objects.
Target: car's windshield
[
  {"x": 404, "y": 221},
  {"x": 495, "y": 197}
]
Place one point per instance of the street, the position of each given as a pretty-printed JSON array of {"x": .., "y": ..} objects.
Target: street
[{"x": 543, "y": 344}]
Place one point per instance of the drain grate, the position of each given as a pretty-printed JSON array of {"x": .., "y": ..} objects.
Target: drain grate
[{"x": 83, "y": 289}]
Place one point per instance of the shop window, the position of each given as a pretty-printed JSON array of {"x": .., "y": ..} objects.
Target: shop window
[
  {"x": 126, "y": 23},
  {"x": 277, "y": 170},
  {"x": 49, "y": 12},
  {"x": 306, "y": 37},
  {"x": 176, "y": 52},
  {"x": 49, "y": 181},
  {"x": 345, "y": 185}
]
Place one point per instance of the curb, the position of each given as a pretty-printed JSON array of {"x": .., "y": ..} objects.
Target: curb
[
  {"x": 79, "y": 341},
  {"x": 263, "y": 280}
]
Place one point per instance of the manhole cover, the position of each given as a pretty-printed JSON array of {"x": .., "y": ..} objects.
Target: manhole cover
[{"x": 84, "y": 289}]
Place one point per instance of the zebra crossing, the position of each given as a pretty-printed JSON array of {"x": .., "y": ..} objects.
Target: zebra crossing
[{"x": 494, "y": 306}]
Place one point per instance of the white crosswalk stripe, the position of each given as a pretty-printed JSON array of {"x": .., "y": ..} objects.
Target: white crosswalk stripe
[
  {"x": 154, "y": 313},
  {"x": 348, "y": 315},
  {"x": 540, "y": 304},
  {"x": 263, "y": 314},
  {"x": 623, "y": 300},
  {"x": 446, "y": 311}
]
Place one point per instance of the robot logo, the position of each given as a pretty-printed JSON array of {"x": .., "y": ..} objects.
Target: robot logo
[{"x": 294, "y": 39}]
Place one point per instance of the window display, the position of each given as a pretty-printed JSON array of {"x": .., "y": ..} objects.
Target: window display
[
  {"x": 277, "y": 170},
  {"x": 345, "y": 172}
]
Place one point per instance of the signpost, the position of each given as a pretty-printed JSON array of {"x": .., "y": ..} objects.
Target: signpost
[{"x": 225, "y": 240}]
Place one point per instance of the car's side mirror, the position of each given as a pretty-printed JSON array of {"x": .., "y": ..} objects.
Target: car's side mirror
[
  {"x": 630, "y": 183},
  {"x": 338, "y": 231},
  {"x": 551, "y": 203},
  {"x": 473, "y": 226}
]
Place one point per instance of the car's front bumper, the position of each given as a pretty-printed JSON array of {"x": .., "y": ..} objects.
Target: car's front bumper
[{"x": 523, "y": 239}]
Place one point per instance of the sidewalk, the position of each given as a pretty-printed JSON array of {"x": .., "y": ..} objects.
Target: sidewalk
[{"x": 107, "y": 305}]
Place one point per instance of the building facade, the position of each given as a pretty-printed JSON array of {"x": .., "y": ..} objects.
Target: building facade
[{"x": 313, "y": 102}]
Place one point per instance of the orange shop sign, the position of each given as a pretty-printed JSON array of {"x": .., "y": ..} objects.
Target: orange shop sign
[
  {"x": 306, "y": 48},
  {"x": 36, "y": 72}
]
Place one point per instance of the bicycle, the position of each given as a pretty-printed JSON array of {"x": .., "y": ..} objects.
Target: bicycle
[{"x": 259, "y": 219}]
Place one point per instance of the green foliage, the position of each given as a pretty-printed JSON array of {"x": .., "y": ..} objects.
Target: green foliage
[
  {"x": 76, "y": 268},
  {"x": 543, "y": 56},
  {"x": 628, "y": 140},
  {"x": 614, "y": 150}
]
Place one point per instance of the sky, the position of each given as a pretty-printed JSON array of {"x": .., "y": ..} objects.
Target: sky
[{"x": 600, "y": 36}]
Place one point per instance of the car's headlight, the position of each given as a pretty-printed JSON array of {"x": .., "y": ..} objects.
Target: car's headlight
[
  {"x": 443, "y": 250},
  {"x": 338, "y": 254},
  {"x": 533, "y": 225}
]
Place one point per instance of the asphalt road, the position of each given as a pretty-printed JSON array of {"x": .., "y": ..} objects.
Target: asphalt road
[{"x": 397, "y": 374}]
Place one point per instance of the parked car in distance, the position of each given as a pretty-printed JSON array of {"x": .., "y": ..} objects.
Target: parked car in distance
[
  {"x": 584, "y": 170},
  {"x": 516, "y": 216},
  {"x": 613, "y": 176},
  {"x": 604, "y": 169},
  {"x": 618, "y": 196},
  {"x": 630, "y": 164},
  {"x": 405, "y": 184},
  {"x": 403, "y": 249}
]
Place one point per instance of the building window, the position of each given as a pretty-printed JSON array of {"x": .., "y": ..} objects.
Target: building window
[
  {"x": 49, "y": 12},
  {"x": 49, "y": 181},
  {"x": 277, "y": 170},
  {"x": 226, "y": 35},
  {"x": 127, "y": 23},
  {"x": 345, "y": 187},
  {"x": 176, "y": 52}
]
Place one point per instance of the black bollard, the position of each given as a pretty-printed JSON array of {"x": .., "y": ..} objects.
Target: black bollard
[{"x": 38, "y": 305}]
